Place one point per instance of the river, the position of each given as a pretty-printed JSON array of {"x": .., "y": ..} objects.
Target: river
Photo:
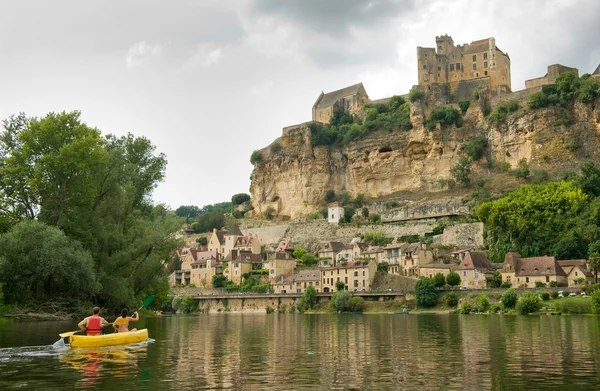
[{"x": 316, "y": 352}]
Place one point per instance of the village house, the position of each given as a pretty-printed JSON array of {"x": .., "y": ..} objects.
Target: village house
[
  {"x": 357, "y": 250},
  {"x": 355, "y": 276},
  {"x": 577, "y": 272},
  {"x": 596, "y": 73},
  {"x": 525, "y": 272},
  {"x": 334, "y": 214},
  {"x": 216, "y": 242},
  {"x": 298, "y": 282},
  {"x": 374, "y": 253},
  {"x": 277, "y": 267},
  {"x": 285, "y": 246},
  {"x": 405, "y": 258},
  {"x": 203, "y": 270},
  {"x": 351, "y": 99},
  {"x": 345, "y": 254},
  {"x": 393, "y": 254},
  {"x": 432, "y": 269},
  {"x": 327, "y": 254},
  {"x": 188, "y": 257},
  {"x": 475, "y": 269}
]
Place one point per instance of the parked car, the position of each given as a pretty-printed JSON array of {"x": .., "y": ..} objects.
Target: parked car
[
  {"x": 560, "y": 294},
  {"x": 572, "y": 294}
]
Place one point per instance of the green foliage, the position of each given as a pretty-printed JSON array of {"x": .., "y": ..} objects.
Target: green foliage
[
  {"x": 309, "y": 260},
  {"x": 375, "y": 218},
  {"x": 187, "y": 304},
  {"x": 596, "y": 301},
  {"x": 240, "y": 198},
  {"x": 554, "y": 294},
  {"x": 348, "y": 214},
  {"x": 453, "y": 279},
  {"x": 500, "y": 114},
  {"x": 425, "y": 292},
  {"x": 574, "y": 305},
  {"x": 207, "y": 221},
  {"x": 396, "y": 102},
  {"x": 377, "y": 238},
  {"x": 539, "y": 284},
  {"x": 553, "y": 284},
  {"x": 545, "y": 296},
  {"x": 533, "y": 219},
  {"x": 439, "y": 280},
  {"x": 528, "y": 302},
  {"x": 330, "y": 195},
  {"x": 522, "y": 170},
  {"x": 504, "y": 166},
  {"x": 256, "y": 157},
  {"x": 496, "y": 279},
  {"x": 445, "y": 116},
  {"x": 340, "y": 300},
  {"x": 310, "y": 296},
  {"x": 269, "y": 309},
  {"x": 461, "y": 172},
  {"x": 476, "y": 93},
  {"x": 509, "y": 298},
  {"x": 202, "y": 241},
  {"x": 339, "y": 285},
  {"x": 451, "y": 299},
  {"x": 540, "y": 176},
  {"x": 359, "y": 201},
  {"x": 567, "y": 89},
  {"x": 383, "y": 267},
  {"x": 275, "y": 147},
  {"x": 589, "y": 180},
  {"x": 483, "y": 303},
  {"x": 465, "y": 308},
  {"x": 218, "y": 281},
  {"x": 299, "y": 252},
  {"x": 269, "y": 213},
  {"x": 464, "y": 105},
  {"x": 416, "y": 94},
  {"x": 476, "y": 146},
  {"x": 176, "y": 303},
  {"x": 356, "y": 304},
  {"x": 187, "y": 211}
]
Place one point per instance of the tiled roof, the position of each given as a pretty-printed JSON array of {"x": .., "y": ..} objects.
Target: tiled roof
[
  {"x": 413, "y": 248},
  {"x": 395, "y": 245},
  {"x": 330, "y": 98},
  {"x": 373, "y": 250},
  {"x": 285, "y": 244},
  {"x": 234, "y": 231},
  {"x": 202, "y": 254},
  {"x": 438, "y": 266},
  {"x": 245, "y": 241},
  {"x": 362, "y": 246},
  {"x": 597, "y": 71},
  {"x": 572, "y": 262},
  {"x": 332, "y": 246},
  {"x": 475, "y": 261},
  {"x": 220, "y": 235},
  {"x": 301, "y": 276},
  {"x": 348, "y": 265},
  {"x": 534, "y": 266}
]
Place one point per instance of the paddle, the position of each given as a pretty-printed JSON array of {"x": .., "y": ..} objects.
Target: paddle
[{"x": 147, "y": 302}]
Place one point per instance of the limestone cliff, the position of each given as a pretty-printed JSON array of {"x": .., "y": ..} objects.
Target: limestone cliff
[{"x": 294, "y": 179}]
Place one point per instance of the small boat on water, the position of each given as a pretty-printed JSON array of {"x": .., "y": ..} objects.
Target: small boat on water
[{"x": 92, "y": 341}]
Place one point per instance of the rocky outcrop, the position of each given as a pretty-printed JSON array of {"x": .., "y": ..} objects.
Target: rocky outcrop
[{"x": 294, "y": 179}]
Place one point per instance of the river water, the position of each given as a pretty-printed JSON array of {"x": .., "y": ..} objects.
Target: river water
[{"x": 316, "y": 352}]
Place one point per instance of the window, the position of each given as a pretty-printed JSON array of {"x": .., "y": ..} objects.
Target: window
[
  {"x": 272, "y": 271},
  {"x": 526, "y": 279},
  {"x": 474, "y": 57},
  {"x": 451, "y": 67},
  {"x": 464, "y": 273},
  {"x": 363, "y": 273},
  {"x": 332, "y": 217},
  {"x": 485, "y": 64},
  {"x": 547, "y": 278},
  {"x": 485, "y": 56},
  {"x": 575, "y": 274},
  {"x": 356, "y": 283},
  {"x": 346, "y": 280},
  {"x": 477, "y": 74},
  {"x": 474, "y": 66},
  {"x": 458, "y": 66},
  {"x": 485, "y": 73},
  {"x": 356, "y": 274}
]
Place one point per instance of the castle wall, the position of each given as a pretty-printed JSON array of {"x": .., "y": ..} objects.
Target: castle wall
[
  {"x": 551, "y": 76},
  {"x": 465, "y": 89}
]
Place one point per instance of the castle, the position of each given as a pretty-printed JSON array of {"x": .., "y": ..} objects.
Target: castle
[{"x": 464, "y": 67}]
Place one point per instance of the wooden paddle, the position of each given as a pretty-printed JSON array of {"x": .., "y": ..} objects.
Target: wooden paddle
[{"x": 147, "y": 302}]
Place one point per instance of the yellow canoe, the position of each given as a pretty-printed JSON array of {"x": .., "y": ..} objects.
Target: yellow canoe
[{"x": 91, "y": 341}]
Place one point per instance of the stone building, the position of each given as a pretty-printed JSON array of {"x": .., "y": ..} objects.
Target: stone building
[
  {"x": 596, "y": 73},
  {"x": 355, "y": 276},
  {"x": 475, "y": 269},
  {"x": 298, "y": 282},
  {"x": 464, "y": 67},
  {"x": 550, "y": 76},
  {"x": 334, "y": 214},
  {"x": 525, "y": 272},
  {"x": 350, "y": 98}
]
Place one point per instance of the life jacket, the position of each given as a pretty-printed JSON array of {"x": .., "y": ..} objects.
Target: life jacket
[{"x": 94, "y": 326}]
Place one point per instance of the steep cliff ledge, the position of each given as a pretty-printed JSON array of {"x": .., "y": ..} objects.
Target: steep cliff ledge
[{"x": 293, "y": 179}]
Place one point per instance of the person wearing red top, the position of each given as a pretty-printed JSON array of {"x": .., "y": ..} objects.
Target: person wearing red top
[{"x": 92, "y": 325}]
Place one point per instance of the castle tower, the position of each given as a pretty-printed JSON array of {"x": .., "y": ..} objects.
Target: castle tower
[{"x": 444, "y": 44}]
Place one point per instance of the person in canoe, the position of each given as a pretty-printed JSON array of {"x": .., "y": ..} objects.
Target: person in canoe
[
  {"x": 121, "y": 324},
  {"x": 92, "y": 325}
]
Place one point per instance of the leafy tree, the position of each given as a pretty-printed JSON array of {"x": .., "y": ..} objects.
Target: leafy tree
[
  {"x": 500, "y": 114},
  {"x": 453, "y": 279},
  {"x": 339, "y": 285},
  {"x": 509, "y": 298},
  {"x": 589, "y": 180},
  {"x": 594, "y": 264},
  {"x": 445, "y": 116},
  {"x": 309, "y": 260},
  {"x": 187, "y": 304},
  {"x": 439, "y": 280},
  {"x": 483, "y": 303},
  {"x": 348, "y": 214},
  {"x": 464, "y": 105},
  {"x": 396, "y": 102},
  {"x": 340, "y": 301},
  {"x": 176, "y": 303},
  {"x": 356, "y": 304},
  {"x": 330, "y": 195},
  {"x": 299, "y": 252},
  {"x": 451, "y": 299},
  {"x": 202, "y": 241},
  {"x": 218, "y": 281},
  {"x": 416, "y": 94},
  {"x": 208, "y": 221},
  {"x": 41, "y": 261},
  {"x": 496, "y": 279},
  {"x": 359, "y": 200},
  {"x": 383, "y": 267},
  {"x": 256, "y": 157},
  {"x": 425, "y": 292},
  {"x": 310, "y": 296},
  {"x": 461, "y": 172},
  {"x": 377, "y": 238},
  {"x": 365, "y": 212},
  {"x": 596, "y": 301},
  {"x": 476, "y": 147},
  {"x": 528, "y": 303},
  {"x": 240, "y": 198},
  {"x": 187, "y": 211},
  {"x": 375, "y": 218}
]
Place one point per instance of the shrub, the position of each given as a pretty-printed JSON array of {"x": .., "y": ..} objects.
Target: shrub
[
  {"x": 176, "y": 303},
  {"x": 553, "y": 284},
  {"x": 310, "y": 296},
  {"x": 269, "y": 213},
  {"x": 340, "y": 301},
  {"x": 500, "y": 114},
  {"x": 509, "y": 298},
  {"x": 465, "y": 308},
  {"x": 446, "y": 116},
  {"x": 348, "y": 214},
  {"x": 439, "y": 280},
  {"x": 339, "y": 285},
  {"x": 554, "y": 294},
  {"x": 187, "y": 304},
  {"x": 383, "y": 267},
  {"x": 240, "y": 198},
  {"x": 506, "y": 285},
  {"x": 522, "y": 170},
  {"x": 375, "y": 218},
  {"x": 461, "y": 172},
  {"x": 504, "y": 166},
  {"x": 269, "y": 309},
  {"x": 546, "y": 296},
  {"x": 596, "y": 301},
  {"x": 528, "y": 303},
  {"x": 540, "y": 176},
  {"x": 309, "y": 260},
  {"x": 359, "y": 200},
  {"x": 464, "y": 105},
  {"x": 330, "y": 195},
  {"x": 476, "y": 93},
  {"x": 395, "y": 102},
  {"x": 218, "y": 281},
  {"x": 476, "y": 147},
  {"x": 256, "y": 157},
  {"x": 483, "y": 303},
  {"x": 356, "y": 304},
  {"x": 275, "y": 147},
  {"x": 539, "y": 284},
  {"x": 416, "y": 94},
  {"x": 453, "y": 279},
  {"x": 425, "y": 292},
  {"x": 377, "y": 238},
  {"x": 451, "y": 299},
  {"x": 575, "y": 305}
]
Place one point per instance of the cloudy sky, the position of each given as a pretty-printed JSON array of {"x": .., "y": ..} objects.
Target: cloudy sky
[{"x": 209, "y": 81}]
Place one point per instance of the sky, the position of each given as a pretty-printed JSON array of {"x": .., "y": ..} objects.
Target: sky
[{"x": 209, "y": 81}]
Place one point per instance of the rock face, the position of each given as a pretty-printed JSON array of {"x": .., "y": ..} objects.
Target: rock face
[{"x": 293, "y": 180}]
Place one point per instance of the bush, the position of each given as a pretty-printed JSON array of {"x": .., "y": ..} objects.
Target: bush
[
  {"x": 509, "y": 298},
  {"x": 451, "y": 299},
  {"x": 540, "y": 176},
  {"x": 359, "y": 200},
  {"x": 348, "y": 214},
  {"x": 464, "y": 105},
  {"x": 356, "y": 304},
  {"x": 506, "y": 285},
  {"x": 500, "y": 114},
  {"x": 375, "y": 218},
  {"x": 445, "y": 116},
  {"x": 554, "y": 294},
  {"x": 553, "y": 284},
  {"x": 218, "y": 281},
  {"x": 574, "y": 305},
  {"x": 453, "y": 279},
  {"x": 439, "y": 280},
  {"x": 240, "y": 198},
  {"x": 416, "y": 94},
  {"x": 340, "y": 301},
  {"x": 377, "y": 238},
  {"x": 202, "y": 241},
  {"x": 504, "y": 166},
  {"x": 310, "y": 296},
  {"x": 539, "y": 284},
  {"x": 596, "y": 301},
  {"x": 465, "y": 308},
  {"x": 476, "y": 93},
  {"x": 176, "y": 303},
  {"x": 383, "y": 267},
  {"x": 522, "y": 170},
  {"x": 256, "y": 157},
  {"x": 483, "y": 303},
  {"x": 269, "y": 309},
  {"x": 546, "y": 296},
  {"x": 476, "y": 147},
  {"x": 275, "y": 147},
  {"x": 339, "y": 285},
  {"x": 494, "y": 308},
  {"x": 269, "y": 213},
  {"x": 330, "y": 195},
  {"x": 425, "y": 292},
  {"x": 528, "y": 303},
  {"x": 461, "y": 172},
  {"x": 187, "y": 304}
]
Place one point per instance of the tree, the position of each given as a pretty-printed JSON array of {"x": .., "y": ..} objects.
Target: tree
[
  {"x": 340, "y": 301},
  {"x": 330, "y": 195},
  {"x": 509, "y": 298},
  {"x": 40, "y": 262},
  {"x": 475, "y": 148},
  {"x": 496, "y": 279},
  {"x": 383, "y": 267},
  {"x": 594, "y": 264},
  {"x": 240, "y": 198},
  {"x": 360, "y": 200},
  {"x": 218, "y": 281},
  {"x": 309, "y": 260},
  {"x": 425, "y": 292},
  {"x": 596, "y": 301},
  {"x": 256, "y": 157},
  {"x": 483, "y": 303},
  {"x": 310, "y": 296},
  {"x": 451, "y": 299},
  {"x": 528, "y": 303},
  {"x": 187, "y": 304},
  {"x": 416, "y": 94},
  {"x": 299, "y": 252},
  {"x": 365, "y": 212},
  {"x": 339, "y": 285},
  {"x": 356, "y": 304},
  {"x": 461, "y": 172},
  {"x": 589, "y": 180},
  {"x": 439, "y": 280},
  {"x": 453, "y": 279},
  {"x": 202, "y": 241},
  {"x": 377, "y": 238},
  {"x": 187, "y": 211},
  {"x": 348, "y": 214}
]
